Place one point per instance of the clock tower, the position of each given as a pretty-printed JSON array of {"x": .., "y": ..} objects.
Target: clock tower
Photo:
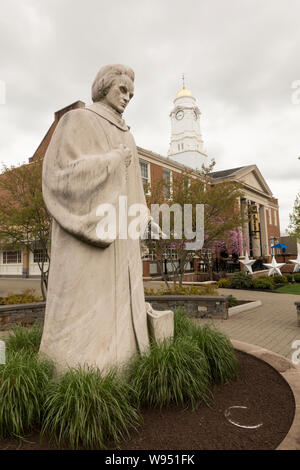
[{"x": 186, "y": 146}]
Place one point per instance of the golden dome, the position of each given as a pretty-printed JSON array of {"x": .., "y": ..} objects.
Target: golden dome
[{"x": 184, "y": 92}]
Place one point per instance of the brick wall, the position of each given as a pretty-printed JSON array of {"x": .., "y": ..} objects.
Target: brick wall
[
  {"x": 42, "y": 148},
  {"x": 272, "y": 229},
  {"x": 156, "y": 173}
]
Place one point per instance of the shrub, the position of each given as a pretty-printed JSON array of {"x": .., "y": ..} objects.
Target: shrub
[
  {"x": 84, "y": 408},
  {"x": 25, "y": 338},
  {"x": 216, "y": 346},
  {"x": 241, "y": 280},
  {"x": 223, "y": 282},
  {"x": 184, "y": 290},
  {"x": 23, "y": 382},
  {"x": 27, "y": 296},
  {"x": 297, "y": 277},
  {"x": 171, "y": 373},
  {"x": 289, "y": 277},
  {"x": 263, "y": 282},
  {"x": 232, "y": 301},
  {"x": 277, "y": 279}
]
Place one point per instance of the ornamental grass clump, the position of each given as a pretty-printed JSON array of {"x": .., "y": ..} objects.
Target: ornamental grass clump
[
  {"x": 84, "y": 409},
  {"x": 25, "y": 338},
  {"x": 171, "y": 373},
  {"x": 219, "y": 352},
  {"x": 215, "y": 345},
  {"x": 23, "y": 382}
]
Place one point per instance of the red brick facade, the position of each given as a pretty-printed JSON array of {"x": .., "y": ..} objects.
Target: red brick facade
[{"x": 273, "y": 226}]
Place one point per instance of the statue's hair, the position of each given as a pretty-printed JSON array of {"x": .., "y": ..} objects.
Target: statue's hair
[{"x": 106, "y": 77}]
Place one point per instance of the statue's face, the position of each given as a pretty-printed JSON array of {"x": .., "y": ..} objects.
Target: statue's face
[{"x": 119, "y": 94}]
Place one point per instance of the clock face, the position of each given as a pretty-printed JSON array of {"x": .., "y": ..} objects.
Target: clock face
[{"x": 179, "y": 115}]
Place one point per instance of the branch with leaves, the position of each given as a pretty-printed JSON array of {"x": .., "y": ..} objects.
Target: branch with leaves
[{"x": 24, "y": 220}]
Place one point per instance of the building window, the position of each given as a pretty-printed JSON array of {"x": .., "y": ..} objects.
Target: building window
[
  {"x": 12, "y": 257},
  {"x": 275, "y": 217},
  {"x": 170, "y": 253},
  {"x": 152, "y": 254},
  {"x": 40, "y": 256},
  {"x": 145, "y": 172},
  {"x": 270, "y": 216},
  {"x": 274, "y": 241},
  {"x": 178, "y": 146}
]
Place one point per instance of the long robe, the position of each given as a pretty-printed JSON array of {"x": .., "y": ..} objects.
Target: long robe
[{"x": 95, "y": 310}]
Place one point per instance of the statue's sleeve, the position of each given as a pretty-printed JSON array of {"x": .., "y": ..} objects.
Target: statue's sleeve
[{"x": 78, "y": 171}]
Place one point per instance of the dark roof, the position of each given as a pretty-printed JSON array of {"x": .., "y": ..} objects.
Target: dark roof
[{"x": 224, "y": 173}]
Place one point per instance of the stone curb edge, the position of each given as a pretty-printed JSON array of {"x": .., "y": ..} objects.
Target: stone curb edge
[
  {"x": 291, "y": 373},
  {"x": 244, "y": 307}
]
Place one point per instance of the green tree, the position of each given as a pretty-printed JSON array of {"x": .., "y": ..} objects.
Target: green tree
[
  {"x": 24, "y": 220},
  {"x": 294, "y": 226}
]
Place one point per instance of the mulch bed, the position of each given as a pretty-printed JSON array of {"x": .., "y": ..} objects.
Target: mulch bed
[{"x": 268, "y": 398}]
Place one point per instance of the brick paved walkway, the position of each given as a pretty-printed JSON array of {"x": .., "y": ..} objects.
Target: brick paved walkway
[{"x": 273, "y": 325}]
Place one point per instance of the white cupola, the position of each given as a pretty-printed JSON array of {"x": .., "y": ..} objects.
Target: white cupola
[{"x": 186, "y": 146}]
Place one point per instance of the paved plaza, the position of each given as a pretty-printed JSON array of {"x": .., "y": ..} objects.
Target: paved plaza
[{"x": 272, "y": 326}]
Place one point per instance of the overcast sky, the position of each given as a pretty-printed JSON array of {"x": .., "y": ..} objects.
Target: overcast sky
[{"x": 240, "y": 59}]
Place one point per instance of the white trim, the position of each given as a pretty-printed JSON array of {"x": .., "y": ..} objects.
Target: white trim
[
  {"x": 148, "y": 173},
  {"x": 270, "y": 216},
  {"x": 11, "y": 268}
]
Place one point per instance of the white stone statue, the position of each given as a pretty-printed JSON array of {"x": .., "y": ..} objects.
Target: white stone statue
[{"x": 95, "y": 311}]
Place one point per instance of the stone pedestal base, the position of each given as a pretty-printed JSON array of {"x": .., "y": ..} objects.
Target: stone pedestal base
[{"x": 160, "y": 323}]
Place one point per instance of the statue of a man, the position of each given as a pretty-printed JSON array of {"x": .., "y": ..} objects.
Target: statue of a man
[{"x": 95, "y": 312}]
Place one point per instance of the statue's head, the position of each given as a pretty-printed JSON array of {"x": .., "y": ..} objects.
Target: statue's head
[{"x": 114, "y": 86}]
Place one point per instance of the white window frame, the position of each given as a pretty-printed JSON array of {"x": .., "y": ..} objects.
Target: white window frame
[
  {"x": 148, "y": 175},
  {"x": 270, "y": 216},
  {"x": 18, "y": 253},
  {"x": 275, "y": 217},
  {"x": 39, "y": 254}
]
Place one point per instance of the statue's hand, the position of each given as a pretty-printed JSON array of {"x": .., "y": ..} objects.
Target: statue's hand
[{"x": 126, "y": 154}]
